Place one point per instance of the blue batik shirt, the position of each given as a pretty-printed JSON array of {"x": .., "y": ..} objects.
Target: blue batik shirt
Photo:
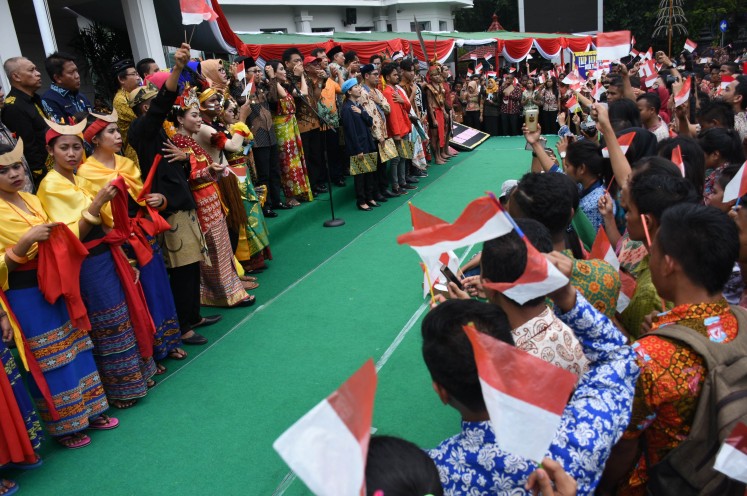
[
  {"x": 589, "y": 203},
  {"x": 472, "y": 463},
  {"x": 60, "y": 104}
]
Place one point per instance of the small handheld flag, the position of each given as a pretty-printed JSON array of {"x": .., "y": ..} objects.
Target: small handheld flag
[
  {"x": 690, "y": 45},
  {"x": 572, "y": 105},
  {"x": 524, "y": 395},
  {"x": 613, "y": 45},
  {"x": 196, "y": 11},
  {"x": 602, "y": 249},
  {"x": 684, "y": 94},
  {"x": 731, "y": 459},
  {"x": 624, "y": 141},
  {"x": 327, "y": 447},
  {"x": 737, "y": 187},
  {"x": 677, "y": 159}
]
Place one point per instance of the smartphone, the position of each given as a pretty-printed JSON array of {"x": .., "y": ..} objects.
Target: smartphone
[
  {"x": 530, "y": 119},
  {"x": 451, "y": 277}
]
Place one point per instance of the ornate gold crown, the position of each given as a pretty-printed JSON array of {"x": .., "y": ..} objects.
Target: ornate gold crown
[{"x": 188, "y": 99}]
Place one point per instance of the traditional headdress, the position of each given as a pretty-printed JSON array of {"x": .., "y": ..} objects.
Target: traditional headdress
[
  {"x": 14, "y": 156},
  {"x": 142, "y": 94},
  {"x": 102, "y": 120},
  {"x": 57, "y": 129},
  {"x": 188, "y": 99}
]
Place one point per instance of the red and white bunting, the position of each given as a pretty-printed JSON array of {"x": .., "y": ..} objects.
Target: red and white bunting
[{"x": 524, "y": 395}]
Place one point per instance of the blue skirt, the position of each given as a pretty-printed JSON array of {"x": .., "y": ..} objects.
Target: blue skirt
[
  {"x": 123, "y": 372},
  {"x": 155, "y": 282},
  {"x": 65, "y": 358},
  {"x": 25, "y": 406}
]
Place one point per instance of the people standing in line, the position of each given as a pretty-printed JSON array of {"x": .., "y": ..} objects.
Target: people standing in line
[
  {"x": 376, "y": 105},
  {"x": 359, "y": 142}
]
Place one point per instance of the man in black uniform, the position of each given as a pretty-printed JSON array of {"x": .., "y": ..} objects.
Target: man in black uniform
[{"x": 23, "y": 113}]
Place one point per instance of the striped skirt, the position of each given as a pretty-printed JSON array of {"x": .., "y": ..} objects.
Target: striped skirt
[
  {"x": 64, "y": 355},
  {"x": 220, "y": 285},
  {"x": 123, "y": 372},
  {"x": 20, "y": 429}
]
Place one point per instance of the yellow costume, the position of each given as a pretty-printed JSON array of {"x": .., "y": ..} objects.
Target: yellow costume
[
  {"x": 100, "y": 175},
  {"x": 125, "y": 116}
]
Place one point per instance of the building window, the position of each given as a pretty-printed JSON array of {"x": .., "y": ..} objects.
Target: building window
[
  {"x": 364, "y": 28},
  {"x": 322, "y": 30},
  {"x": 424, "y": 26},
  {"x": 389, "y": 28},
  {"x": 442, "y": 25},
  {"x": 274, "y": 30}
]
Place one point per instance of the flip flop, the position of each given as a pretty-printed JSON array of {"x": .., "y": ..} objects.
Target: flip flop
[
  {"x": 248, "y": 278},
  {"x": 108, "y": 423},
  {"x": 82, "y": 441},
  {"x": 9, "y": 489},
  {"x": 25, "y": 466},
  {"x": 176, "y": 355},
  {"x": 249, "y": 285},
  {"x": 160, "y": 369}
]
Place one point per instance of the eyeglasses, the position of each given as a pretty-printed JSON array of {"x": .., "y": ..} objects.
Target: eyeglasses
[{"x": 131, "y": 74}]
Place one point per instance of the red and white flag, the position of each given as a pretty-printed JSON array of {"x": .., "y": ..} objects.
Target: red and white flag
[
  {"x": 599, "y": 90},
  {"x": 541, "y": 79},
  {"x": 690, "y": 45},
  {"x": 478, "y": 68},
  {"x": 649, "y": 81},
  {"x": 473, "y": 56},
  {"x": 731, "y": 459},
  {"x": 196, "y": 11},
  {"x": 614, "y": 45},
  {"x": 647, "y": 68},
  {"x": 492, "y": 74},
  {"x": 627, "y": 290},
  {"x": 481, "y": 220},
  {"x": 632, "y": 41},
  {"x": 488, "y": 56},
  {"x": 538, "y": 279},
  {"x": 602, "y": 249},
  {"x": 684, "y": 94},
  {"x": 421, "y": 220},
  {"x": 524, "y": 395},
  {"x": 726, "y": 80},
  {"x": 649, "y": 53},
  {"x": 624, "y": 141},
  {"x": 240, "y": 71},
  {"x": 737, "y": 187},
  {"x": 511, "y": 70},
  {"x": 572, "y": 105},
  {"x": 677, "y": 159},
  {"x": 470, "y": 72},
  {"x": 327, "y": 447},
  {"x": 533, "y": 73},
  {"x": 634, "y": 53}
]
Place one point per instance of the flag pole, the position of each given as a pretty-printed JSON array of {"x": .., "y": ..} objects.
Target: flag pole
[
  {"x": 430, "y": 284},
  {"x": 191, "y": 35},
  {"x": 645, "y": 231}
]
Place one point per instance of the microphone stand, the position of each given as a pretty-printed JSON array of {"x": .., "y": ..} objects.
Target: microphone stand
[{"x": 333, "y": 222}]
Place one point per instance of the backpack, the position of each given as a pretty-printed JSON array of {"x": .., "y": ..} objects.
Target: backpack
[{"x": 688, "y": 468}]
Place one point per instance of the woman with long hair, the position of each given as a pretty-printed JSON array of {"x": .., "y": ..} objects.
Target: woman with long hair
[
  {"x": 55, "y": 349},
  {"x": 295, "y": 176},
  {"x": 548, "y": 94},
  {"x": 219, "y": 282}
]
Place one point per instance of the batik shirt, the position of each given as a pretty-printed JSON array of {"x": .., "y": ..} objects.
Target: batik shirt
[
  {"x": 590, "y": 203},
  {"x": 472, "y": 463},
  {"x": 740, "y": 124},
  {"x": 548, "y": 338},
  {"x": 672, "y": 376}
]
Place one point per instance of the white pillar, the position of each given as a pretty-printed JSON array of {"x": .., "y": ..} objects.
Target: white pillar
[
  {"x": 9, "y": 47},
  {"x": 142, "y": 27},
  {"x": 45, "y": 26},
  {"x": 522, "y": 24},
  {"x": 303, "y": 21},
  {"x": 600, "y": 16},
  {"x": 380, "y": 20}
]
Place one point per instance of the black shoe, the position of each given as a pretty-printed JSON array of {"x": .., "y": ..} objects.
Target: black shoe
[
  {"x": 372, "y": 204},
  {"x": 390, "y": 194},
  {"x": 420, "y": 173},
  {"x": 365, "y": 208},
  {"x": 412, "y": 180},
  {"x": 249, "y": 301},
  {"x": 283, "y": 206},
  {"x": 268, "y": 212},
  {"x": 208, "y": 321},
  {"x": 400, "y": 191},
  {"x": 195, "y": 339},
  {"x": 380, "y": 198},
  {"x": 339, "y": 182},
  {"x": 322, "y": 188},
  {"x": 408, "y": 186}
]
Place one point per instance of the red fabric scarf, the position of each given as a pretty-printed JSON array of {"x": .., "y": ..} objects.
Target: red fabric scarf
[
  {"x": 140, "y": 225},
  {"x": 60, "y": 258},
  {"x": 142, "y": 322}
]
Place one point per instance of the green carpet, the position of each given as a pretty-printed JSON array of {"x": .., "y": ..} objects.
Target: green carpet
[{"x": 332, "y": 298}]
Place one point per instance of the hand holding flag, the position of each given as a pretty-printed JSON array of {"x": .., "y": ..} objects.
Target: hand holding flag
[{"x": 737, "y": 187}]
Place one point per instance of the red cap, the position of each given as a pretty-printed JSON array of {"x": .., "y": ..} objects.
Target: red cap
[{"x": 310, "y": 60}]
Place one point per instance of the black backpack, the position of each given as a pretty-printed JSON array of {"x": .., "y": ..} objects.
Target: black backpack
[{"x": 688, "y": 469}]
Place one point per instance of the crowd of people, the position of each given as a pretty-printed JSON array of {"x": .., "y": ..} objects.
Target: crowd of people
[{"x": 120, "y": 223}]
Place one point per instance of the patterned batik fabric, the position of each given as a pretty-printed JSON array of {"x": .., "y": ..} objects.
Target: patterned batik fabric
[
  {"x": 123, "y": 372},
  {"x": 596, "y": 416},
  {"x": 16, "y": 407},
  {"x": 598, "y": 282},
  {"x": 548, "y": 338},
  {"x": 644, "y": 301},
  {"x": 220, "y": 285},
  {"x": 671, "y": 378},
  {"x": 64, "y": 356},
  {"x": 630, "y": 253},
  {"x": 295, "y": 176}
]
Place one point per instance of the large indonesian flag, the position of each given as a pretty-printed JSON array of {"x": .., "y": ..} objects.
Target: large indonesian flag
[
  {"x": 327, "y": 447},
  {"x": 481, "y": 220},
  {"x": 732, "y": 457},
  {"x": 737, "y": 187},
  {"x": 524, "y": 395},
  {"x": 613, "y": 46},
  {"x": 196, "y": 11}
]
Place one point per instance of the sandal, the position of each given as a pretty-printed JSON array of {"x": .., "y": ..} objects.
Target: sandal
[
  {"x": 160, "y": 369},
  {"x": 177, "y": 354},
  {"x": 247, "y": 302},
  {"x": 103, "y": 423},
  {"x": 24, "y": 466},
  {"x": 293, "y": 202},
  {"x": 151, "y": 383},
  {"x": 249, "y": 285},
  {"x": 74, "y": 441},
  {"x": 8, "y": 487},
  {"x": 248, "y": 278},
  {"x": 123, "y": 404}
]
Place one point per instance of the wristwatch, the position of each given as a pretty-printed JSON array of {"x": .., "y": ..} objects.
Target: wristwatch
[{"x": 562, "y": 154}]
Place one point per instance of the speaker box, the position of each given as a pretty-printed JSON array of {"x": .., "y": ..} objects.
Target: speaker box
[{"x": 351, "y": 16}]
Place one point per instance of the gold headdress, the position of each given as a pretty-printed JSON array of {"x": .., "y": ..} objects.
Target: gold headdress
[{"x": 14, "y": 156}]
